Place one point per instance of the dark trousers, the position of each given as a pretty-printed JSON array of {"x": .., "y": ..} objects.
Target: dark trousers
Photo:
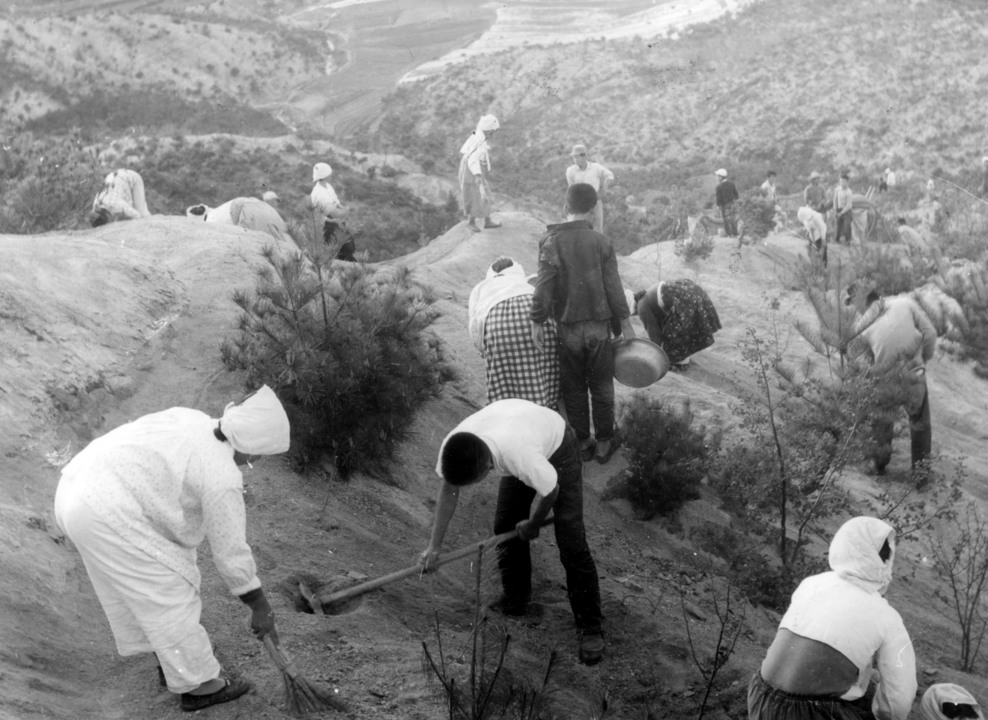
[
  {"x": 729, "y": 214},
  {"x": 843, "y": 227},
  {"x": 514, "y": 502},
  {"x": 586, "y": 365},
  {"x": 920, "y": 435},
  {"x": 332, "y": 231},
  {"x": 767, "y": 703},
  {"x": 821, "y": 248}
]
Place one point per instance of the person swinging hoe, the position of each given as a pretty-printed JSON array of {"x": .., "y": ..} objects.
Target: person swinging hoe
[{"x": 537, "y": 456}]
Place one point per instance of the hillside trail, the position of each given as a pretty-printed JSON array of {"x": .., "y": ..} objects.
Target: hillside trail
[{"x": 102, "y": 326}]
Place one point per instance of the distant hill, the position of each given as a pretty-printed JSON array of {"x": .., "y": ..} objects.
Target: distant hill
[{"x": 792, "y": 85}]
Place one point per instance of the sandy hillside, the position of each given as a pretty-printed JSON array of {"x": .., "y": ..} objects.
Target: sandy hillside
[{"x": 102, "y": 326}]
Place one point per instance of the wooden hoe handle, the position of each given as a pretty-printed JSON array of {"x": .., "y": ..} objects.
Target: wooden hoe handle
[{"x": 416, "y": 569}]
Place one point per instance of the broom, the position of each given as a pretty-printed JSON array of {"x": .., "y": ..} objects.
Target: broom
[{"x": 301, "y": 697}]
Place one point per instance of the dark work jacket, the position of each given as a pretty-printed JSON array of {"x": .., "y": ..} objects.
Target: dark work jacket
[
  {"x": 726, "y": 193},
  {"x": 578, "y": 276}
]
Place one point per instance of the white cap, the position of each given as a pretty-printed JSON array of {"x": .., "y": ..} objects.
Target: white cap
[
  {"x": 269, "y": 195},
  {"x": 321, "y": 171},
  {"x": 258, "y": 425},
  {"x": 721, "y": 173}
]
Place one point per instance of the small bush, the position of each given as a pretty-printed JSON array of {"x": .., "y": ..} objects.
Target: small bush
[
  {"x": 757, "y": 213},
  {"x": 668, "y": 455},
  {"x": 968, "y": 286},
  {"x": 890, "y": 269},
  {"x": 696, "y": 246},
  {"x": 762, "y": 580},
  {"x": 347, "y": 350},
  {"x": 49, "y": 184}
]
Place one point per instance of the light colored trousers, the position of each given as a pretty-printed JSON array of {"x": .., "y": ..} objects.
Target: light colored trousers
[{"x": 151, "y": 608}]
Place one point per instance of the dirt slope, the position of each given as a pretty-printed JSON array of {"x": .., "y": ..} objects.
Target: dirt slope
[{"x": 105, "y": 325}]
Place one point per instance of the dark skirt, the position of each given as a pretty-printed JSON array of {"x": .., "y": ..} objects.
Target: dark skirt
[{"x": 767, "y": 703}]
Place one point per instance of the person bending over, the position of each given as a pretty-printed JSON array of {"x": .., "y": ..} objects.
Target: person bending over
[{"x": 536, "y": 455}]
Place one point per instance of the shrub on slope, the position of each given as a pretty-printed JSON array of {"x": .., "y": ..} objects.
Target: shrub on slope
[{"x": 349, "y": 351}]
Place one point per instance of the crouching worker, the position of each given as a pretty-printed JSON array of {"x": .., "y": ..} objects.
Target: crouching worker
[
  {"x": 838, "y": 626},
  {"x": 537, "y": 456},
  {"x": 122, "y": 198},
  {"x": 138, "y": 501}
]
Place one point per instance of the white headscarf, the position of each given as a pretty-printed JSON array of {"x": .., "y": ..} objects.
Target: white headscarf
[
  {"x": 321, "y": 171},
  {"x": 258, "y": 425},
  {"x": 495, "y": 288},
  {"x": 854, "y": 553},
  {"x": 931, "y": 706},
  {"x": 479, "y": 136}
]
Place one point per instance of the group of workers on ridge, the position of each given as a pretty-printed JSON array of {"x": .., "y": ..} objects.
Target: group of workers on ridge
[{"x": 138, "y": 501}]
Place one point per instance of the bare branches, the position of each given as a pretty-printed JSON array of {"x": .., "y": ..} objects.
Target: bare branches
[{"x": 730, "y": 625}]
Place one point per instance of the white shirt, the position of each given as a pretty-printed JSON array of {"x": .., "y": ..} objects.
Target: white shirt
[
  {"x": 593, "y": 174},
  {"x": 768, "y": 188},
  {"x": 896, "y": 328},
  {"x": 324, "y": 198},
  {"x": 123, "y": 194},
  {"x": 165, "y": 483},
  {"x": 861, "y": 625},
  {"x": 521, "y": 436},
  {"x": 476, "y": 152},
  {"x": 220, "y": 214}
]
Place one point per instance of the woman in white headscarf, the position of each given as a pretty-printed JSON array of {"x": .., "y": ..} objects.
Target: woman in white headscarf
[
  {"x": 139, "y": 500},
  {"x": 475, "y": 164},
  {"x": 839, "y": 636},
  {"x": 327, "y": 203},
  {"x": 499, "y": 309},
  {"x": 247, "y": 212}
]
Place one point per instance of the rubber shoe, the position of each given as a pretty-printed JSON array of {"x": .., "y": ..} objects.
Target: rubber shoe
[
  {"x": 588, "y": 450},
  {"x": 231, "y": 691},
  {"x": 591, "y": 648},
  {"x": 490, "y": 225},
  {"x": 607, "y": 448}
]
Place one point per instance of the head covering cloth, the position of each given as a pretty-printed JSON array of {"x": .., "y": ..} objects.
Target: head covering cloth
[
  {"x": 478, "y": 137},
  {"x": 258, "y": 425},
  {"x": 854, "y": 553},
  {"x": 321, "y": 171},
  {"x": 931, "y": 706}
]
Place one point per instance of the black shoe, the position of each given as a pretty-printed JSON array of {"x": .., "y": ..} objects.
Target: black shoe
[
  {"x": 588, "y": 451},
  {"x": 231, "y": 691},
  {"x": 591, "y": 648},
  {"x": 612, "y": 447}
]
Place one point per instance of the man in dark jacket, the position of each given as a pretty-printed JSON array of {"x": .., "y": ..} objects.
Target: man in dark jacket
[
  {"x": 727, "y": 194},
  {"x": 578, "y": 284}
]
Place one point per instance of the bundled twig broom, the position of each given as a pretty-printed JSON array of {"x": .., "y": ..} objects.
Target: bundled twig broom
[{"x": 301, "y": 697}]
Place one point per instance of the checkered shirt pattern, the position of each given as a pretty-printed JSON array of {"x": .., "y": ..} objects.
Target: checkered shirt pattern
[{"x": 515, "y": 368}]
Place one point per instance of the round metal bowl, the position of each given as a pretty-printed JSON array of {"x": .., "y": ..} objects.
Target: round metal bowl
[{"x": 639, "y": 362}]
